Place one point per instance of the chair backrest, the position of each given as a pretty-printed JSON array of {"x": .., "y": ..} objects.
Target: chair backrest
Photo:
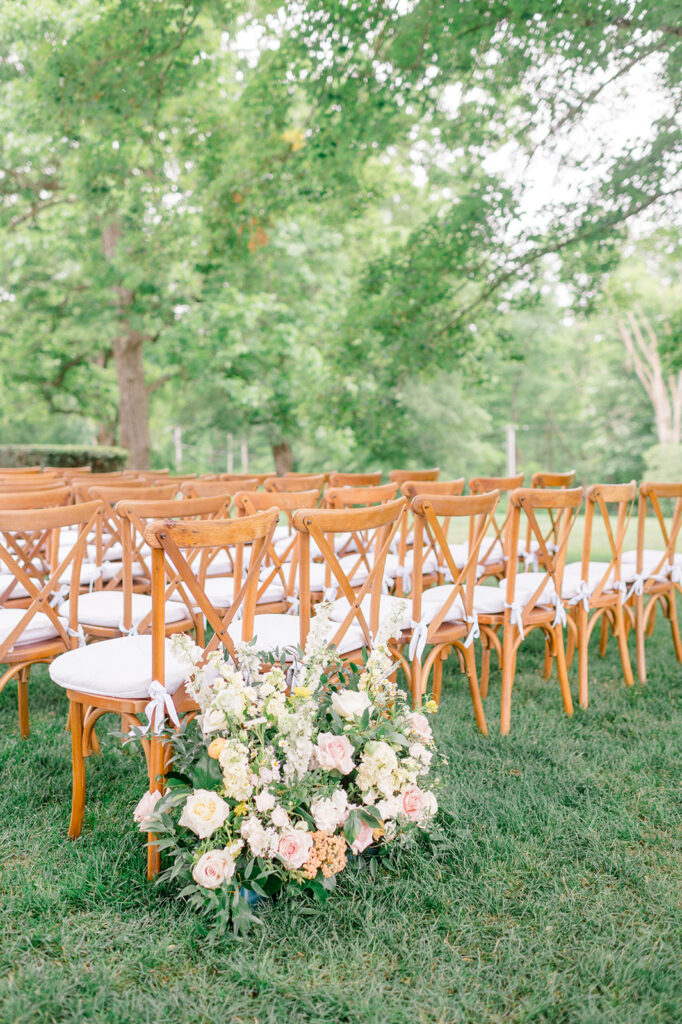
[
  {"x": 372, "y": 530},
  {"x": 432, "y": 516},
  {"x": 30, "y": 553},
  {"x": 30, "y": 483},
  {"x": 650, "y": 496},
  {"x": 289, "y": 484},
  {"x": 542, "y": 479},
  {"x": 411, "y": 488},
  {"x": 360, "y": 497},
  {"x": 281, "y": 559},
  {"x": 134, "y": 517},
  {"x": 109, "y": 536},
  {"x": 176, "y": 552},
  {"x": 598, "y": 498},
  {"x": 354, "y": 479},
  {"x": 260, "y": 477},
  {"x": 400, "y": 476},
  {"x": 495, "y": 542},
  {"x": 20, "y": 470},
  {"x": 525, "y": 501},
  {"x": 49, "y": 497},
  {"x": 207, "y": 488}
]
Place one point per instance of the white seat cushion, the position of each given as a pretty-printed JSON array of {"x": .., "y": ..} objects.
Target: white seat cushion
[
  {"x": 88, "y": 574},
  {"x": 105, "y": 608},
  {"x": 387, "y": 606},
  {"x": 223, "y": 563},
  {"x": 573, "y": 574},
  {"x": 115, "y": 668},
  {"x": 392, "y": 566},
  {"x": 273, "y": 631},
  {"x": 526, "y": 585},
  {"x": 18, "y": 590},
  {"x": 487, "y": 601},
  {"x": 40, "y": 627},
  {"x": 220, "y": 591}
]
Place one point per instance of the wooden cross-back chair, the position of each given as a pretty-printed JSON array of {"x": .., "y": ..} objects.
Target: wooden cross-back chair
[
  {"x": 290, "y": 484},
  {"x": 260, "y": 477},
  {"x": 594, "y": 591},
  {"x": 208, "y": 488},
  {"x": 109, "y": 542},
  {"x": 359, "y": 497},
  {"x": 529, "y": 553},
  {"x": 401, "y": 562},
  {"x": 277, "y": 587},
  {"x": 654, "y": 575},
  {"x": 445, "y": 616},
  {"x": 108, "y": 612},
  {"x": 11, "y": 591},
  {"x": 354, "y": 479},
  {"x": 36, "y": 632},
  {"x": 401, "y": 476},
  {"x": 133, "y": 676},
  {"x": 354, "y": 582},
  {"x": 531, "y": 600},
  {"x": 493, "y": 555},
  {"x": 23, "y": 485}
]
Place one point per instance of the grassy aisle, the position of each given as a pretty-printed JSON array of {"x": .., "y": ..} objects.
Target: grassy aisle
[{"x": 557, "y": 897}]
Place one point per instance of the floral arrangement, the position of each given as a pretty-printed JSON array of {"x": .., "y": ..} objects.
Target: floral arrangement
[{"x": 287, "y": 772}]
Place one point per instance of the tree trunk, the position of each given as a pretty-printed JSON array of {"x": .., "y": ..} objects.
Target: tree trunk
[
  {"x": 284, "y": 458},
  {"x": 133, "y": 420}
]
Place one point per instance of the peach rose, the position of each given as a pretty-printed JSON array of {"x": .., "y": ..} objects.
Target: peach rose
[
  {"x": 204, "y": 812},
  {"x": 213, "y": 868},
  {"x": 293, "y": 848},
  {"x": 363, "y": 839},
  {"x": 334, "y": 753},
  {"x": 215, "y": 747},
  {"x": 145, "y": 808},
  {"x": 412, "y": 803},
  {"x": 420, "y": 726}
]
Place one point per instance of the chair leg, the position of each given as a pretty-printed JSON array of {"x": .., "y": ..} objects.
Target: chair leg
[
  {"x": 156, "y": 760},
  {"x": 78, "y": 769},
  {"x": 416, "y": 679},
  {"x": 22, "y": 698},
  {"x": 561, "y": 668},
  {"x": 639, "y": 632},
  {"x": 623, "y": 644},
  {"x": 603, "y": 636},
  {"x": 485, "y": 666},
  {"x": 437, "y": 684},
  {"x": 507, "y": 677},
  {"x": 470, "y": 668},
  {"x": 674, "y": 624},
  {"x": 571, "y": 635},
  {"x": 651, "y": 622},
  {"x": 583, "y": 687}
]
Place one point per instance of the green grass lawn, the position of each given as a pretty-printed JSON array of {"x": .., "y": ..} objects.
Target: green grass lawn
[{"x": 555, "y": 898}]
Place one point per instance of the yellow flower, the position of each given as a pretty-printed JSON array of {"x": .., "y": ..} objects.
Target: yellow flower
[
  {"x": 302, "y": 691},
  {"x": 215, "y": 747},
  {"x": 240, "y": 810},
  {"x": 430, "y": 707}
]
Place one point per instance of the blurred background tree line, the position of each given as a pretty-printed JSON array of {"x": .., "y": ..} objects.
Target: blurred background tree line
[{"x": 344, "y": 233}]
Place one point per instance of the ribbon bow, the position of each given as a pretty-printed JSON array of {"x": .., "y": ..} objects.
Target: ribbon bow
[
  {"x": 475, "y": 630},
  {"x": 74, "y": 632},
  {"x": 420, "y": 632},
  {"x": 560, "y": 614},
  {"x": 294, "y": 605},
  {"x": 516, "y": 617},
  {"x": 330, "y": 592},
  {"x": 405, "y": 578},
  {"x": 583, "y": 594},
  {"x": 160, "y": 703},
  {"x": 637, "y": 586},
  {"x": 676, "y": 574}
]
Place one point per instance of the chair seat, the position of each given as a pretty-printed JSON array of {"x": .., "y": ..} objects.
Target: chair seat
[
  {"x": 40, "y": 627},
  {"x": 121, "y": 667},
  {"x": 494, "y": 553},
  {"x": 570, "y": 587},
  {"x": 220, "y": 591},
  {"x": 487, "y": 601},
  {"x": 273, "y": 631},
  {"x": 88, "y": 574},
  {"x": 387, "y": 606},
  {"x": 392, "y": 567},
  {"x": 223, "y": 563},
  {"x": 526, "y": 585},
  {"x": 104, "y": 609},
  {"x": 651, "y": 560}
]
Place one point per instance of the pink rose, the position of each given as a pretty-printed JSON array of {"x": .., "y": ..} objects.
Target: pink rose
[
  {"x": 334, "y": 753},
  {"x": 362, "y": 841},
  {"x": 213, "y": 868},
  {"x": 145, "y": 808},
  {"x": 412, "y": 801},
  {"x": 293, "y": 848},
  {"x": 420, "y": 726}
]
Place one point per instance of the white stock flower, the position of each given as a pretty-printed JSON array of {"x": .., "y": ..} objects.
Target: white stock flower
[{"x": 265, "y": 801}]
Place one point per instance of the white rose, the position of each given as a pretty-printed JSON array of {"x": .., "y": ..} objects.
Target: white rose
[
  {"x": 213, "y": 868},
  {"x": 325, "y": 814},
  {"x": 280, "y": 818},
  {"x": 255, "y": 835},
  {"x": 204, "y": 812},
  {"x": 350, "y": 703},
  {"x": 212, "y": 720},
  {"x": 265, "y": 801}
]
